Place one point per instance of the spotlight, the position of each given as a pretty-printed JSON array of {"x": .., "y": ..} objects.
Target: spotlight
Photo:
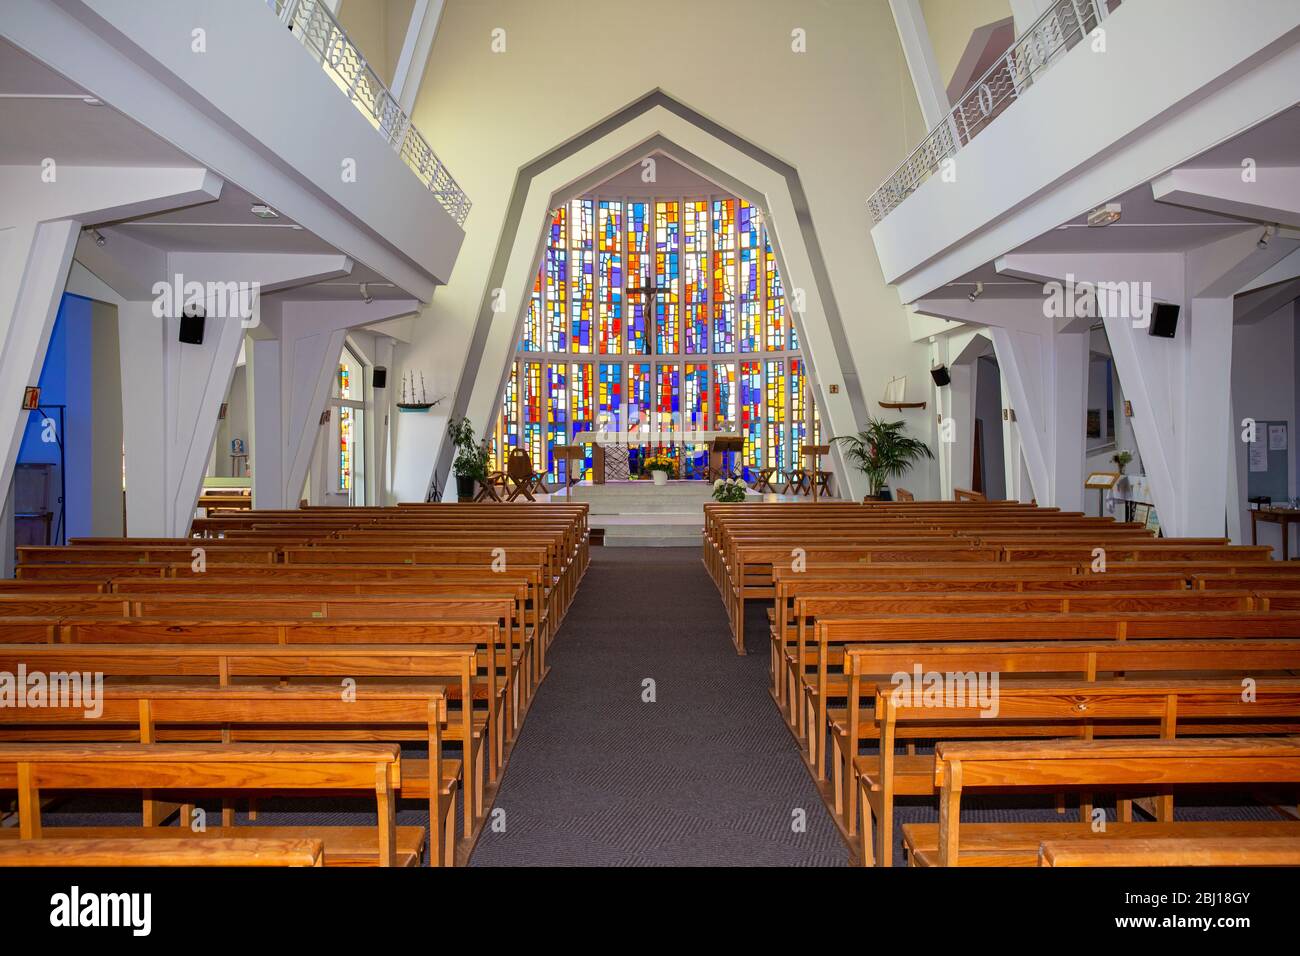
[
  {"x": 1104, "y": 215},
  {"x": 976, "y": 292},
  {"x": 99, "y": 239},
  {"x": 263, "y": 211},
  {"x": 366, "y": 297},
  {"x": 1263, "y": 240}
]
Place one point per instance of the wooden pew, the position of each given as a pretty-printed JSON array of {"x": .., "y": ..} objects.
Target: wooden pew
[
  {"x": 1056, "y": 708},
  {"x": 170, "y": 713},
  {"x": 31, "y": 769},
  {"x": 171, "y": 851},
  {"x": 226, "y": 664},
  {"x": 1087, "y": 765},
  {"x": 1203, "y": 851},
  {"x": 869, "y": 666}
]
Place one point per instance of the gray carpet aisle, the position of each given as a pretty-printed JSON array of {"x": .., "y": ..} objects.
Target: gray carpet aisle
[{"x": 705, "y": 775}]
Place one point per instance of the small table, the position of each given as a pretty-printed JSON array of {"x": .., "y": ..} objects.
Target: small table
[{"x": 1281, "y": 516}]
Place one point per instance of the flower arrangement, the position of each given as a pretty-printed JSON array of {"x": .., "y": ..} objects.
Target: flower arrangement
[
  {"x": 1122, "y": 458},
  {"x": 729, "y": 490},
  {"x": 659, "y": 463}
]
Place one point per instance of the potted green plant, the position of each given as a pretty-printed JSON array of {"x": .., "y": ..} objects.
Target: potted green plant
[
  {"x": 1121, "y": 460},
  {"x": 881, "y": 451},
  {"x": 730, "y": 490},
  {"x": 471, "y": 461}
]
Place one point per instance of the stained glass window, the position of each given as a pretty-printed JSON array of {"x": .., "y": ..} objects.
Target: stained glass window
[
  {"x": 775, "y": 446},
  {"x": 715, "y": 320},
  {"x": 582, "y": 262},
  {"x": 611, "y": 396},
  {"x": 638, "y": 277},
  {"x": 776, "y": 320},
  {"x": 695, "y": 275},
  {"x": 751, "y": 295},
  {"x": 724, "y": 275},
  {"x": 557, "y": 285},
  {"x": 611, "y": 277},
  {"x": 557, "y": 419},
  {"x": 751, "y": 425},
  {"x": 580, "y": 407},
  {"x": 531, "y": 341},
  {"x": 667, "y": 279}
]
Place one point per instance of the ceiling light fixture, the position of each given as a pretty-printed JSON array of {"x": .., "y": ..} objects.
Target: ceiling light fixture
[
  {"x": 976, "y": 292},
  {"x": 366, "y": 297},
  {"x": 263, "y": 211},
  {"x": 1104, "y": 215},
  {"x": 1268, "y": 234},
  {"x": 95, "y": 234}
]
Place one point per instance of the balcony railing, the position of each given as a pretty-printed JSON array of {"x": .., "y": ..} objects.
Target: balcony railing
[
  {"x": 316, "y": 28},
  {"x": 1054, "y": 33}
]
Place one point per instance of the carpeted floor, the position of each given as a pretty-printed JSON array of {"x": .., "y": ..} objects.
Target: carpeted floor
[{"x": 706, "y": 774}]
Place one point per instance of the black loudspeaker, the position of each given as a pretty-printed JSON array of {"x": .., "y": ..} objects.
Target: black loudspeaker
[
  {"x": 1164, "y": 320},
  {"x": 379, "y": 378},
  {"x": 192, "y": 321},
  {"x": 940, "y": 375}
]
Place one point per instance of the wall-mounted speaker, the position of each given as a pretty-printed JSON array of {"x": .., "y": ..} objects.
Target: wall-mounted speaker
[
  {"x": 940, "y": 375},
  {"x": 1164, "y": 320},
  {"x": 379, "y": 378},
  {"x": 192, "y": 322}
]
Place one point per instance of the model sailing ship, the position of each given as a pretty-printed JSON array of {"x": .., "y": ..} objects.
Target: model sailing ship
[{"x": 409, "y": 401}]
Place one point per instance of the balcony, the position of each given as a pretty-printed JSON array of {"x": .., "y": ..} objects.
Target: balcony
[
  {"x": 1048, "y": 39},
  {"x": 318, "y": 30}
]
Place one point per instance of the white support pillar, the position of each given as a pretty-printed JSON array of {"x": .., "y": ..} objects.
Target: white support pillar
[
  {"x": 40, "y": 221},
  {"x": 919, "y": 53},
  {"x": 413, "y": 59},
  {"x": 170, "y": 423},
  {"x": 1045, "y": 375},
  {"x": 1025, "y": 12},
  {"x": 1017, "y": 475},
  {"x": 293, "y": 375}
]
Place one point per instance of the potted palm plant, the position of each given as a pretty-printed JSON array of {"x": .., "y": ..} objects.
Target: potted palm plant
[
  {"x": 471, "y": 461},
  {"x": 881, "y": 451}
]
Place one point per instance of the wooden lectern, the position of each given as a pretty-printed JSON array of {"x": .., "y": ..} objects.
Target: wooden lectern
[
  {"x": 719, "y": 446},
  {"x": 816, "y": 477},
  {"x": 574, "y": 455}
]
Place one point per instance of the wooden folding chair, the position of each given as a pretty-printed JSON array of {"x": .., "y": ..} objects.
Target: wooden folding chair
[
  {"x": 520, "y": 473},
  {"x": 764, "y": 480}
]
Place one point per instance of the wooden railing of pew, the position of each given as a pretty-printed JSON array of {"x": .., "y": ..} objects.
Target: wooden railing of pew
[
  {"x": 491, "y": 609},
  {"x": 1035, "y": 591}
]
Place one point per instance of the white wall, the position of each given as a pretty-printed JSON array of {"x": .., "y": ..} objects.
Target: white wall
[
  {"x": 1264, "y": 388},
  {"x": 844, "y": 113}
]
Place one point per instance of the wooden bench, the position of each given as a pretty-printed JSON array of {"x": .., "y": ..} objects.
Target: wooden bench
[
  {"x": 1087, "y": 765},
  {"x": 168, "y": 851},
  {"x": 31, "y": 769},
  {"x": 1203, "y": 851},
  {"x": 1055, "y": 708},
  {"x": 169, "y": 713}
]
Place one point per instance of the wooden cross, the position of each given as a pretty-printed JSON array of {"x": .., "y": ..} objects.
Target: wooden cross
[{"x": 648, "y": 290}]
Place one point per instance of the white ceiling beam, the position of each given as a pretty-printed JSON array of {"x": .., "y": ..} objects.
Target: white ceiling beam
[{"x": 1270, "y": 195}]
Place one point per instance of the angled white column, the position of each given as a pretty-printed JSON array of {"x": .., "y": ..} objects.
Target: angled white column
[
  {"x": 1025, "y": 12},
  {"x": 1044, "y": 372},
  {"x": 169, "y": 426},
  {"x": 40, "y": 220},
  {"x": 919, "y": 53},
  {"x": 414, "y": 57},
  {"x": 293, "y": 373}
]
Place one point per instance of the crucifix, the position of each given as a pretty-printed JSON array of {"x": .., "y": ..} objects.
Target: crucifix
[{"x": 647, "y": 290}]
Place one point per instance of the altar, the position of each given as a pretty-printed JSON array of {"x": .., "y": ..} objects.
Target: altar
[{"x": 609, "y": 461}]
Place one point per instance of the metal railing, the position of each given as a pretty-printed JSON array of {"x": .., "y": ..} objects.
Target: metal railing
[
  {"x": 1054, "y": 33},
  {"x": 316, "y": 28}
]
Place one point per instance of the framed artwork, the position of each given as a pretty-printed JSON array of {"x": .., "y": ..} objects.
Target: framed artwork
[{"x": 1094, "y": 423}]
